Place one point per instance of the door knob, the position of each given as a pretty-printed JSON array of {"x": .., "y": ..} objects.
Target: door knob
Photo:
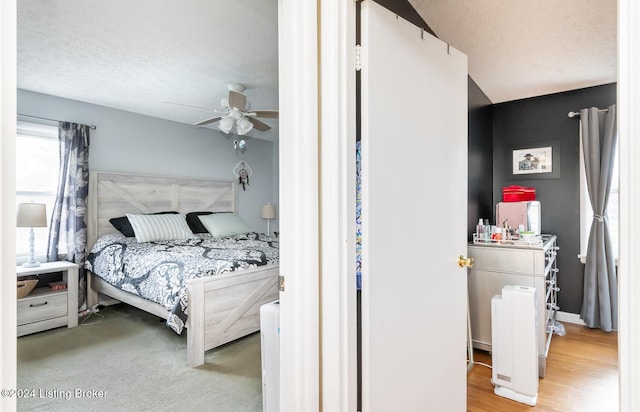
[{"x": 464, "y": 261}]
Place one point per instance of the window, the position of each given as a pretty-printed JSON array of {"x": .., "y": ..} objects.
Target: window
[
  {"x": 37, "y": 168},
  {"x": 586, "y": 212}
]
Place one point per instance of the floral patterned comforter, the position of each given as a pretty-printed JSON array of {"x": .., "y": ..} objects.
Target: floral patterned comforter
[{"x": 158, "y": 271}]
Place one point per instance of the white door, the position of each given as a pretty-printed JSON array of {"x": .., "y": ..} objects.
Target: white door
[{"x": 414, "y": 212}]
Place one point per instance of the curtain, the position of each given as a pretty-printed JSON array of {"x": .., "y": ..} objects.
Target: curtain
[
  {"x": 600, "y": 298},
  {"x": 68, "y": 233}
]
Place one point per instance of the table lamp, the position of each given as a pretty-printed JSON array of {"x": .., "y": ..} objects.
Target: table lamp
[
  {"x": 268, "y": 212},
  {"x": 31, "y": 215}
]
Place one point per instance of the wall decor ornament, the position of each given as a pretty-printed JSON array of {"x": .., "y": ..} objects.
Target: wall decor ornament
[{"x": 242, "y": 172}]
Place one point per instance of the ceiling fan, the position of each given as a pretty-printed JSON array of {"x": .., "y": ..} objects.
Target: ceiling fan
[{"x": 235, "y": 111}]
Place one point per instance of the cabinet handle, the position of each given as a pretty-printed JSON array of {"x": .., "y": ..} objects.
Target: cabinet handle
[
  {"x": 35, "y": 305},
  {"x": 556, "y": 270},
  {"x": 556, "y": 248},
  {"x": 557, "y": 289}
]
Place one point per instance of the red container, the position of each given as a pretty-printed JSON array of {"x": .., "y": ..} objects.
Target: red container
[{"x": 518, "y": 193}]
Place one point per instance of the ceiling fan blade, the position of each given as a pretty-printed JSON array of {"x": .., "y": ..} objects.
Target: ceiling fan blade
[
  {"x": 258, "y": 125},
  {"x": 207, "y": 121},
  {"x": 237, "y": 100},
  {"x": 269, "y": 114}
]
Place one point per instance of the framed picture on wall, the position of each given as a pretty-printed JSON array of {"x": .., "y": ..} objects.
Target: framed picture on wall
[
  {"x": 533, "y": 160},
  {"x": 543, "y": 161}
]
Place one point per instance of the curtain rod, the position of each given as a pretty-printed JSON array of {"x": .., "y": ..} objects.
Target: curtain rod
[
  {"x": 93, "y": 127},
  {"x": 574, "y": 114}
]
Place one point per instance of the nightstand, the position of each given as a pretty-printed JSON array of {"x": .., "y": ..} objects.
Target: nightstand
[{"x": 45, "y": 308}]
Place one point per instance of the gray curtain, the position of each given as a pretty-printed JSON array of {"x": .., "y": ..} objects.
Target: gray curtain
[
  {"x": 68, "y": 233},
  {"x": 600, "y": 298}
]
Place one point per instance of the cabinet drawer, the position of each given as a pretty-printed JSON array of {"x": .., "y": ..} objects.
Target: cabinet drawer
[
  {"x": 42, "y": 307},
  {"x": 503, "y": 260}
]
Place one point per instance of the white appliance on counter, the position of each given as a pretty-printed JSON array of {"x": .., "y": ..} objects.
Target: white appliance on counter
[
  {"x": 515, "y": 349},
  {"x": 270, "y": 355},
  {"x": 526, "y": 213}
]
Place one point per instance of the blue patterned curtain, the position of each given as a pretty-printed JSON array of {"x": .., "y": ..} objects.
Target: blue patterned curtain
[
  {"x": 358, "y": 216},
  {"x": 68, "y": 233}
]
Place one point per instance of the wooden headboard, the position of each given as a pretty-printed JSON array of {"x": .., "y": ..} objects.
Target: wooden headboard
[{"x": 113, "y": 194}]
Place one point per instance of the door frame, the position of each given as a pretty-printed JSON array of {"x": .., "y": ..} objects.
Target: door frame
[
  {"x": 317, "y": 198},
  {"x": 8, "y": 361},
  {"x": 299, "y": 205},
  {"x": 338, "y": 205},
  {"x": 629, "y": 130}
]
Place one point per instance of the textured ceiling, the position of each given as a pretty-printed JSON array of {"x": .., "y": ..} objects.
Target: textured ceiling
[
  {"x": 519, "y": 49},
  {"x": 134, "y": 55}
]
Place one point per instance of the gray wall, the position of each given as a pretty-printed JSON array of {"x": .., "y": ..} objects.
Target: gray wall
[
  {"x": 129, "y": 142},
  {"x": 543, "y": 121}
]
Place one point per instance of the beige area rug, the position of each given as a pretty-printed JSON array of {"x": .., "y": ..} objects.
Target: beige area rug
[{"x": 130, "y": 361}]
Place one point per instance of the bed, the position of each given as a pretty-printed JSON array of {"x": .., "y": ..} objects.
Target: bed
[{"x": 222, "y": 307}]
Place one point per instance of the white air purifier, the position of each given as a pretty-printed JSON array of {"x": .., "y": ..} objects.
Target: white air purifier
[
  {"x": 514, "y": 344},
  {"x": 270, "y": 347}
]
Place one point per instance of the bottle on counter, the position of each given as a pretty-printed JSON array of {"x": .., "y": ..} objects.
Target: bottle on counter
[
  {"x": 506, "y": 233},
  {"x": 487, "y": 231},
  {"x": 496, "y": 233},
  {"x": 480, "y": 231}
]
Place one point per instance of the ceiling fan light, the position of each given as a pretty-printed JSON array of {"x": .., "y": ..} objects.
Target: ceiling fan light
[
  {"x": 244, "y": 126},
  {"x": 226, "y": 124}
]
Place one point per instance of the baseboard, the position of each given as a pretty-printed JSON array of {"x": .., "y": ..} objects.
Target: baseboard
[{"x": 570, "y": 318}]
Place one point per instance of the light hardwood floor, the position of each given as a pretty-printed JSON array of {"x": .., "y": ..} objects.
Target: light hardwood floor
[{"x": 582, "y": 376}]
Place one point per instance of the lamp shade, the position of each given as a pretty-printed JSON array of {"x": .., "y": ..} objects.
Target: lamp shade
[
  {"x": 244, "y": 126},
  {"x": 226, "y": 124},
  {"x": 32, "y": 215},
  {"x": 268, "y": 211}
]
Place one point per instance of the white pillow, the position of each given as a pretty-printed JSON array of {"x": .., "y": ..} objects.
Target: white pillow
[
  {"x": 224, "y": 224},
  {"x": 150, "y": 228}
]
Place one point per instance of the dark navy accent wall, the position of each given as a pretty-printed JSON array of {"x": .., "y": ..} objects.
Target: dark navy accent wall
[
  {"x": 480, "y": 152},
  {"x": 544, "y": 121}
]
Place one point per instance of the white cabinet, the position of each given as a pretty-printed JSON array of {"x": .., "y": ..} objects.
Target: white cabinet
[
  {"x": 45, "y": 308},
  {"x": 498, "y": 265}
]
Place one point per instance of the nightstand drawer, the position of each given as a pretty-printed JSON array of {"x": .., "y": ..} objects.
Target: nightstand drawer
[{"x": 37, "y": 307}]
